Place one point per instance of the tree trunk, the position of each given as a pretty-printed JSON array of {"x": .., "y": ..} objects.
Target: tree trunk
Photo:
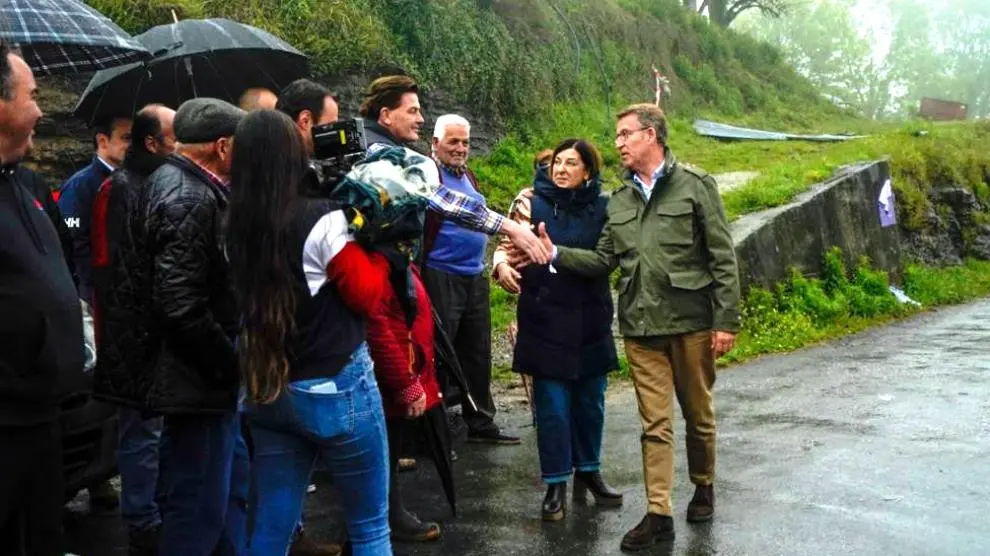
[{"x": 718, "y": 12}]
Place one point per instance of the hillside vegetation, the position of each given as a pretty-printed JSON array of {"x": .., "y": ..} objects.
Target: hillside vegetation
[
  {"x": 548, "y": 70},
  {"x": 517, "y": 58},
  {"x": 561, "y": 68}
]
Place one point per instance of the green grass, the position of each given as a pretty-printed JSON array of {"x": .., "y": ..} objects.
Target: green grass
[
  {"x": 518, "y": 59},
  {"x": 944, "y": 155},
  {"x": 949, "y": 155},
  {"x": 549, "y": 70},
  {"x": 804, "y": 311}
]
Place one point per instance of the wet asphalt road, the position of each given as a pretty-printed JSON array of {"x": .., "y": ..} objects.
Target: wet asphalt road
[{"x": 877, "y": 444}]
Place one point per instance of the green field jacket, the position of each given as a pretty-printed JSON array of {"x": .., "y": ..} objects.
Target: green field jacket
[{"x": 678, "y": 266}]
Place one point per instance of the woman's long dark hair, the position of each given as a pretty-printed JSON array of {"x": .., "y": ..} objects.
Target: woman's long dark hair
[{"x": 268, "y": 166}]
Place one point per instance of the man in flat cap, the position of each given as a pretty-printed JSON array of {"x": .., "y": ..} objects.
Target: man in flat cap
[{"x": 192, "y": 369}]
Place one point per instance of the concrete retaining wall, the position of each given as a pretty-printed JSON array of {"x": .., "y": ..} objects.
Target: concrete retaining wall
[{"x": 842, "y": 212}]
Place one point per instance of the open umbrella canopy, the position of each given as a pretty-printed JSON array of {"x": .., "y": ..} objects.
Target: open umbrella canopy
[
  {"x": 66, "y": 36},
  {"x": 216, "y": 58}
]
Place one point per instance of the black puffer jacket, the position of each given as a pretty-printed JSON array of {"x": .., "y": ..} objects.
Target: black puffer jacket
[
  {"x": 193, "y": 365},
  {"x": 122, "y": 285}
]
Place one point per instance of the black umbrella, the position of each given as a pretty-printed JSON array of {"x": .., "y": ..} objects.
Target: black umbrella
[
  {"x": 435, "y": 431},
  {"x": 66, "y": 36},
  {"x": 192, "y": 58},
  {"x": 445, "y": 360}
]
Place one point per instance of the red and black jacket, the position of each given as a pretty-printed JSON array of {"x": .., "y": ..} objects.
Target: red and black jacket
[{"x": 403, "y": 355}]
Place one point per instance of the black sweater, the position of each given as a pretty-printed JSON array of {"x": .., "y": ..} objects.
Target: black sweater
[{"x": 41, "y": 337}]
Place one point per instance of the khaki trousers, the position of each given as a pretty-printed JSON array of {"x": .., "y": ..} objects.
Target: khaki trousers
[{"x": 662, "y": 366}]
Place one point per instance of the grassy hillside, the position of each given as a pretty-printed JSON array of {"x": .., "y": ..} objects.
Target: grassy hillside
[
  {"x": 545, "y": 70},
  {"x": 519, "y": 57}
]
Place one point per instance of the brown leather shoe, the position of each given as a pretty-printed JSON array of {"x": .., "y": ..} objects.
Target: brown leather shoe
[
  {"x": 702, "y": 506},
  {"x": 406, "y": 527},
  {"x": 304, "y": 545},
  {"x": 653, "y": 529}
]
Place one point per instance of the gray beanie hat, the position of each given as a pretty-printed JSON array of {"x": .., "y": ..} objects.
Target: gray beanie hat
[{"x": 204, "y": 120}]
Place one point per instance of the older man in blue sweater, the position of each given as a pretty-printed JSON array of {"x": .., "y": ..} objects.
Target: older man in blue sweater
[{"x": 455, "y": 277}]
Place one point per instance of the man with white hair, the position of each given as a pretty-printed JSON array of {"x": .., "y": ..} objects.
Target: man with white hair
[{"x": 454, "y": 273}]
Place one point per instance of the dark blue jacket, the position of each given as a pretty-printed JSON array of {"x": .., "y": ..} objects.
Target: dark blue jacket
[
  {"x": 76, "y": 204},
  {"x": 565, "y": 319}
]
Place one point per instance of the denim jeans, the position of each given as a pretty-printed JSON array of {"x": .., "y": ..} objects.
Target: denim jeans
[
  {"x": 137, "y": 461},
  {"x": 344, "y": 429},
  {"x": 205, "y": 478},
  {"x": 570, "y": 416}
]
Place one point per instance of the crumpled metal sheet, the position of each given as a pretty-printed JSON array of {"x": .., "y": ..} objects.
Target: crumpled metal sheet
[{"x": 726, "y": 131}]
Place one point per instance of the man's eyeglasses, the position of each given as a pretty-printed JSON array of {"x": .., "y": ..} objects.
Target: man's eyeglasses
[{"x": 625, "y": 134}]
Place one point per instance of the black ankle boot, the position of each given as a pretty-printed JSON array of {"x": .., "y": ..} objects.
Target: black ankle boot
[
  {"x": 592, "y": 481},
  {"x": 554, "y": 501}
]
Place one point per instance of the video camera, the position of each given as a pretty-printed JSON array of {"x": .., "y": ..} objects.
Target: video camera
[{"x": 337, "y": 147}]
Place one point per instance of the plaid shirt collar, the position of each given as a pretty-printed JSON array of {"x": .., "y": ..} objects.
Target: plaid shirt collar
[
  {"x": 456, "y": 171},
  {"x": 222, "y": 184}
]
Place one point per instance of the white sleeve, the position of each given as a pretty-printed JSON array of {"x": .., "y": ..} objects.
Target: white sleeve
[{"x": 327, "y": 238}]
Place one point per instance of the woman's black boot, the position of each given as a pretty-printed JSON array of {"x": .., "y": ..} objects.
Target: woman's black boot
[
  {"x": 605, "y": 495},
  {"x": 554, "y": 502}
]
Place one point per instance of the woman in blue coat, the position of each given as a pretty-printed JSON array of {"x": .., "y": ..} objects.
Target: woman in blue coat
[{"x": 564, "y": 337}]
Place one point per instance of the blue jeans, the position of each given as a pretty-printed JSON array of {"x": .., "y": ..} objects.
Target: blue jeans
[
  {"x": 570, "y": 416},
  {"x": 346, "y": 430},
  {"x": 137, "y": 460},
  {"x": 205, "y": 479}
]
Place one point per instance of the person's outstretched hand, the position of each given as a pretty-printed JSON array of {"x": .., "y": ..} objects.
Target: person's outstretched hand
[
  {"x": 519, "y": 258},
  {"x": 527, "y": 242}
]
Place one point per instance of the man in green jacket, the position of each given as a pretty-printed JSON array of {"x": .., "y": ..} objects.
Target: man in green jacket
[{"x": 678, "y": 306}]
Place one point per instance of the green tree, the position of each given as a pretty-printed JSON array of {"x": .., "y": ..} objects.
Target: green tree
[
  {"x": 917, "y": 68},
  {"x": 821, "y": 41},
  {"x": 941, "y": 50},
  {"x": 966, "y": 28},
  {"x": 724, "y": 12}
]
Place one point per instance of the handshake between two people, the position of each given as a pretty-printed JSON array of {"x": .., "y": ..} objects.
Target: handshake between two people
[{"x": 507, "y": 275}]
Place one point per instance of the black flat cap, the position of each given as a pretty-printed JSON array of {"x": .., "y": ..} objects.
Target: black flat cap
[{"x": 204, "y": 120}]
